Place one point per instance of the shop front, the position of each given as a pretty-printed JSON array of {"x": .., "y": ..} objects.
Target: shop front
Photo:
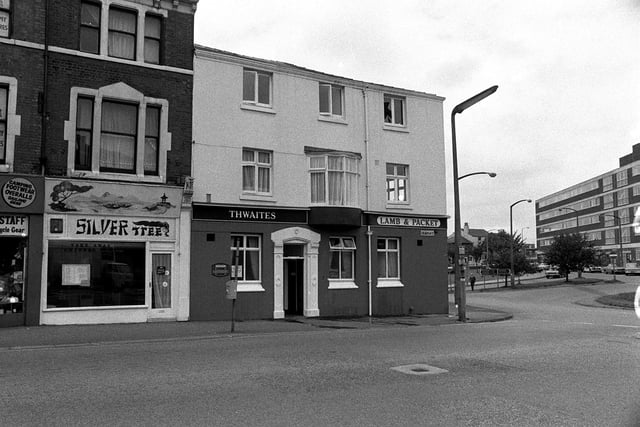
[
  {"x": 21, "y": 208},
  {"x": 113, "y": 253},
  {"x": 315, "y": 262}
]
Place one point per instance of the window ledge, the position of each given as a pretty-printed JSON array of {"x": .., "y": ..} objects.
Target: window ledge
[
  {"x": 250, "y": 287},
  {"x": 258, "y": 108},
  {"x": 342, "y": 284},
  {"x": 258, "y": 198},
  {"x": 402, "y": 206},
  {"x": 116, "y": 176},
  {"x": 5, "y": 168},
  {"x": 332, "y": 119},
  {"x": 396, "y": 128},
  {"x": 389, "y": 283}
]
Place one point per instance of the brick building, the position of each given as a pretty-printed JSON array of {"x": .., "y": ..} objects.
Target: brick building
[
  {"x": 325, "y": 195},
  {"x": 112, "y": 82}
]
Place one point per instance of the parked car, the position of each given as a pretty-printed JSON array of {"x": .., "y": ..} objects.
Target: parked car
[
  {"x": 631, "y": 268},
  {"x": 542, "y": 267},
  {"x": 613, "y": 269},
  {"x": 592, "y": 269},
  {"x": 552, "y": 273}
]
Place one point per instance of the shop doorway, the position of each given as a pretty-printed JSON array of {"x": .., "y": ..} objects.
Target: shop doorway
[
  {"x": 12, "y": 279},
  {"x": 161, "y": 289},
  {"x": 294, "y": 280}
]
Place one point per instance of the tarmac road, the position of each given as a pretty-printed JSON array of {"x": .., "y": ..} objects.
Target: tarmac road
[{"x": 555, "y": 363}]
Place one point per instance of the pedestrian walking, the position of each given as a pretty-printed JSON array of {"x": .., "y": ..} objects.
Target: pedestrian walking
[{"x": 472, "y": 281}]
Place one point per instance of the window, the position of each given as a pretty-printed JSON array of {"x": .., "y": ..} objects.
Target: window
[
  {"x": 609, "y": 220},
  {"x": 122, "y": 33},
  {"x": 341, "y": 258},
  {"x": 334, "y": 180},
  {"x": 624, "y": 216},
  {"x": 84, "y": 133},
  {"x": 9, "y": 121},
  {"x": 388, "y": 258},
  {"x": 626, "y": 235},
  {"x": 5, "y": 18},
  {"x": 607, "y": 183},
  {"x": 90, "y": 274},
  {"x": 397, "y": 183},
  {"x": 90, "y": 27},
  {"x": 623, "y": 197},
  {"x": 245, "y": 261},
  {"x": 608, "y": 201},
  {"x": 331, "y": 99},
  {"x": 256, "y": 171},
  {"x": 152, "y": 140},
  {"x": 621, "y": 179},
  {"x": 116, "y": 130},
  {"x": 394, "y": 110},
  {"x": 4, "y": 95},
  {"x": 610, "y": 237},
  {"x": 152, "y": 37},
  {"x": 118, "y": 137},
  {"x": 256, "y": 87}
]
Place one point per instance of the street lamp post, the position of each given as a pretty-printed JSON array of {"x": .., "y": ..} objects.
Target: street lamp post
[
  {"x": 620, "y": 239},
  {"x": 458, "y": 109},
  {"x": 511, "y": 233},
  {"x": 577, "y": 228}
]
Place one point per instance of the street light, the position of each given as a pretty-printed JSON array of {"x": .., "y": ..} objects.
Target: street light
[
  {"x": 511, "y": 232},
  {"x": 458, "y": 109},
  {"x": 620, "y": 238},
  {"x": 491, "y": 174}
]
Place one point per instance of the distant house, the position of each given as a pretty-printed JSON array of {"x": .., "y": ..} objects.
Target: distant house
[{"x": 470, "y": 238}]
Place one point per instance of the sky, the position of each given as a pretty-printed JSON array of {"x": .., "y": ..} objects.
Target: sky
[{"x": 568, "y": 74}]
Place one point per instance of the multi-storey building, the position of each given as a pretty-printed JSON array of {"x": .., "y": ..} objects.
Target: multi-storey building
[
  {"x": 321, "y": 195},
  {"x": 602, "y": 209},
  {"x": 98, "y": 100}
]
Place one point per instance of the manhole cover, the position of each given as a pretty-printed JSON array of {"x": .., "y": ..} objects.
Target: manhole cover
[{"x": 419, "y": 369}]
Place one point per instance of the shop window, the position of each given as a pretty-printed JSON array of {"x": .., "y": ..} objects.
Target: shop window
[
  {"x": 90, "y": 274},
  {"x": 397, "y": 183},
  {"x": 394, "y": 110},
  {"x": 256, "y": 87},
  {"x": 90, "y": 27},
  {"x": 388, "y": 250},
  {"x": 334, "y": 180},
  {"x": 246, "y": 256},
  {"x": 331, "y": 100},
  {"x": 256, "y": 171},
  {"x": 5, "y": 18},
  {"x": 106, "y": 138},
  {"x": 12, "y": 256},
  {"x": 342, "y": 252}
]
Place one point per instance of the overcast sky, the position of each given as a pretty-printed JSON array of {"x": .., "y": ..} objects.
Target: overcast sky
[{"x": 568, "y": 103}]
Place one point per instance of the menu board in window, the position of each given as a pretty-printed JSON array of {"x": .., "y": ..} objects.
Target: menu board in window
[{"x": 76, "y": 275}]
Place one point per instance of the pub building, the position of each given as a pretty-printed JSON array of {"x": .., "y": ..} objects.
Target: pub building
[
  {"x": 21, "y": 207},
  {"x": 114, "y": 253},
  {"x": 318, "y": 261}
]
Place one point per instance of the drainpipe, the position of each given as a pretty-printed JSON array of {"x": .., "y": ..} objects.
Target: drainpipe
[
  {"x": 45, "y": 90},
  {"x": 366, "y": 148},
  {"x": 369, "y": 233}
]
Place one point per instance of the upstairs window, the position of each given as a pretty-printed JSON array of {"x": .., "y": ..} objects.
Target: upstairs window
[
  {"x": 122, "y": 33},
  {"x": 607, "y": 201},
  {"x": 256, "y": 171},
  {"x": 5, "y": 18},
  {"x": 394, "y": 110},
  {"x": 84, "y": 133},
  {"x": 4, "y": 96},
  {"x": 256, "y": 87},
  {"x": 621, "y": 179},
  {"x": 152, "y": 140},
  {"x": 397, "y": 183},
  {"x": 607, "y": 183},
  {"x": 334, "y": 180},
  {"x": 331, "y": 100},
  {"x": 623, "y": 197},
  {"x": 152, "y": 37},
  {"x": 90, "y": 27},
  {"x": 118, "y": 137}
]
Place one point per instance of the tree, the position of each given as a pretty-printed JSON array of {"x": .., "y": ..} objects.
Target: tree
[
  {"x": 570, "y": 252},
  {"x": 500, "y": 252},
  {"x": 62, "y": 192}
]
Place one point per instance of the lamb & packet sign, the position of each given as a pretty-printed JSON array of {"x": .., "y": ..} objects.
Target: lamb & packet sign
[{"x": 397, "y": 221}]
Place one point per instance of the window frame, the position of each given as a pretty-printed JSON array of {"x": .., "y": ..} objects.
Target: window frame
[
  {"x": 4, "y": 123},
  {"x": 393, "y": 116},
  {"x": 389, "y": 281},
  {"x": 87, "y": 26},
  {"x": 325, "y": 171},
  {"x": 111, "y": 31},
  {"x": 256, "y": 87},
  {"x": 12, "y": 122},
  {"x": 122, "y": 93},
  {"x": 247, "y": 285},
  {"x": 395, "y": 177},
  {"x": 152, "y": 38},
  {"x": 342, "y": 248},
  {"x": 257, "y": 166},
  {"x": 330, "y": 100}
]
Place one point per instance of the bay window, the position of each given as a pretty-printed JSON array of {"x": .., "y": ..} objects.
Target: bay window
[
  {"x": 334, "y": 180},
  {"x": 118, "y": 137}
]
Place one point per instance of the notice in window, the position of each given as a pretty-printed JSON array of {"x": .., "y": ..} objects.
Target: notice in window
[
  {"x": 4, "y": 23},
  {"x": 76, "y": 275}
]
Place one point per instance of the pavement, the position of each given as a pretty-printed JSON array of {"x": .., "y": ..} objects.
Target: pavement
[{"x": 48, "y": 336}]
